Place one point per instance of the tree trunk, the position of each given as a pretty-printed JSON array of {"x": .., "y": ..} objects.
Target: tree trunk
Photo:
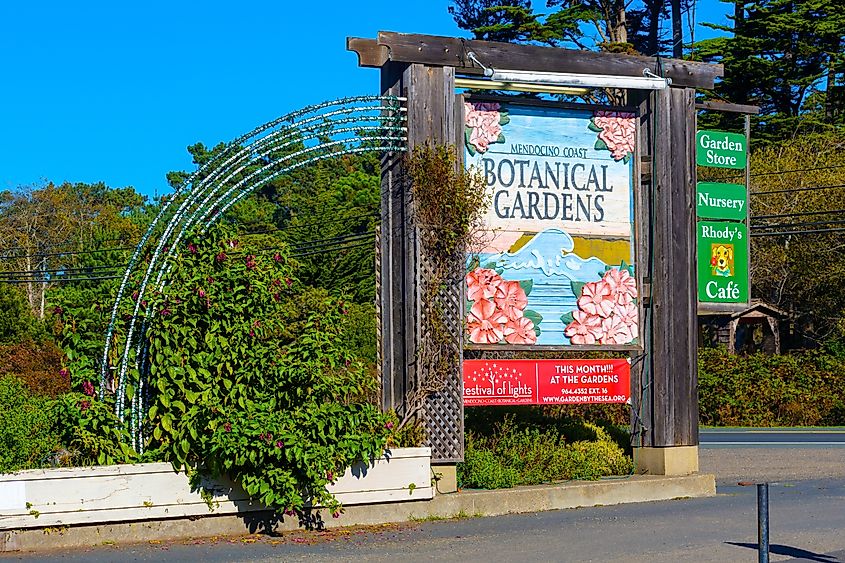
[{"x": 677, "y": 30}]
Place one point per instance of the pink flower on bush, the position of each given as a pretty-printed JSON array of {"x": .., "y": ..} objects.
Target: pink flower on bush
[
  {"x": 64, "y": 372},
  {"x": 483, "y": 283},
  {"x": 520, "y": 331},
  {"x": 483, "y": 120},
  {"x": 584, "y": 328},
  {"x": 88, "y": 388},
  {"x": 193, "y": 248},
  {"x": 389, "y": 425},
  {"x": 618, "y": 131},
  {"x": 511, "y": 299},
  {"x": 485, "y": 323},
  {"x": 84, "y": 404},
  {"x": 277, "y": 257},
  {"x": 597, "y": 299},
  {"x": 221, "y": 257}
]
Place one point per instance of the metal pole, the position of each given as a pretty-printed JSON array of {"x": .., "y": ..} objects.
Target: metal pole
[
  {"x": 748, "y": 198},
  {"x": 763, "y": 522}
]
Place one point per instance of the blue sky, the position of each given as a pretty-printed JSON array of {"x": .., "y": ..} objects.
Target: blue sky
[{"x": 114, "y": 91}]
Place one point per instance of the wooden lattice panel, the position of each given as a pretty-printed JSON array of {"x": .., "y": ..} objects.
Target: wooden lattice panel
[{"x": 444, "y": 410}]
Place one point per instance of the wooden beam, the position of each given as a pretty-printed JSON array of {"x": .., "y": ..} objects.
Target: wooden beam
[
  {"x": 731, "y": 108},
  {"x": 369, "y": 52},
  {"x": 452, "y": 51}
]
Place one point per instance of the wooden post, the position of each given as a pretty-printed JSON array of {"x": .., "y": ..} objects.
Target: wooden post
[
  {"x": 668, "y": 443},
  {"x": 431, "y": 119}
]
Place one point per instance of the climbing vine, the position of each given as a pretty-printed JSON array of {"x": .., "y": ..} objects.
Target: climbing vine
[
  {"x": 252, "y": 379},
  {"x": 449, "y": 204}
]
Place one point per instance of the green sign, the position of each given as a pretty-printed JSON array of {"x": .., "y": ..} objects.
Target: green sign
[
  {"x": 722, "y": 262},
  {"x": 720, "y": 149},
  {"x": 721, "y": 201}
]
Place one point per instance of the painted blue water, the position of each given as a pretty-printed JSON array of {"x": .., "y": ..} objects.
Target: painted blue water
[{"x": 548, "y": 262}]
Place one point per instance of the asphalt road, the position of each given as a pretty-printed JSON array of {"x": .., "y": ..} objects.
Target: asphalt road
[
  {"x": 807, "y": 505},
  {"x": 807, "y": 522},
  {"x": 766, "y": 437}
]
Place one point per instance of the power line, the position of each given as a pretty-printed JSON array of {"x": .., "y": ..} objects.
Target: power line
[
  {"x": 315, "y": 224},
  {"x": 69, "y": 253},
  {"x": 326, "y": 251},
  {"x": 798, "y": 214},
  {"x": 799, "y": 232},
  {"x": 35, "y": 280},
  {"x": 800, "y": 189},
  {"x": 801, "y": 224}
]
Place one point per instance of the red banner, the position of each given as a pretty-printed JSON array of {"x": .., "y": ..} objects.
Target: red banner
[{"x": 546, "y": 382}]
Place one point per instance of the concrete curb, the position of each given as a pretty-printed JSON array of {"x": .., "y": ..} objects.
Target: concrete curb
[{"x": 574, "y": 494}]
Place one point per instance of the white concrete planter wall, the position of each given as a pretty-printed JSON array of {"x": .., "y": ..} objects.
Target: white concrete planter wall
[{"x": 115, "y": 493}]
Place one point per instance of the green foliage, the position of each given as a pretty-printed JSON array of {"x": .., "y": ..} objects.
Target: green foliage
[
  {"x": 252, "y": 376},
  {"x": 800, "y": 389},
  {"x": 783, "y": 55},
  {"x": 38, "y": 364},
  {"x": 90, "y": 432},
  {"x": 27, "y": 438},
  {"x": 17, "y": 323},
  {"x": 518, "y": 452},
  {"x": 800, "y": 273},
  {"x": 359, "y": 332}
]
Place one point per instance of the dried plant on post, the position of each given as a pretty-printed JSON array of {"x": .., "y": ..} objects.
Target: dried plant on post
[{"x": 448, "y": 205}]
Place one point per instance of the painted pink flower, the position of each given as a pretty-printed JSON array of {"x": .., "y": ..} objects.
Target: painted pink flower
[
  {"x": 622, "y": 284},
  {"x": 584, "y": 328},
  {"x": 597, "y": 299},
  {"x": 482, "y": 283},
  {"x": 484, "y": 323},
  {"x": 630, "y": 315},
  {"x": 520, "y": 331},
  {"x": 616, "y": 331},
  {"x": 618, "y": 132},
  {"x": 483, "y": 120},
  {"x": 511, "y": 299}
]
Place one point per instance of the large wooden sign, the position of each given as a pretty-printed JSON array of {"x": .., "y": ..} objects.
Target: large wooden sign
[
  {"x": 546, "y": 382},
  {"x": 555, "y": 264}
]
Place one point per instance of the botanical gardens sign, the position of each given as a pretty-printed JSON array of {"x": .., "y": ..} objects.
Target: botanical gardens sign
[{"x": 555, "y": 263}]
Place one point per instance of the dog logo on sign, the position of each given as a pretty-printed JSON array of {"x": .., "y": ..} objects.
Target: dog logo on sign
[{"x": 722, "y": 259}]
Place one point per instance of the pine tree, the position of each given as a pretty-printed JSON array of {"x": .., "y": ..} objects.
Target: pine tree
[{"x": 782, "y": 55}]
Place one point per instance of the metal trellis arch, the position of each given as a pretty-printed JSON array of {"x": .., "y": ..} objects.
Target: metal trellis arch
[{"x": 347, "y": 126}]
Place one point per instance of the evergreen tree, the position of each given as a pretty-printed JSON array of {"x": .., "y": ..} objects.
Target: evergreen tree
[{"x": 784, "y": 56}]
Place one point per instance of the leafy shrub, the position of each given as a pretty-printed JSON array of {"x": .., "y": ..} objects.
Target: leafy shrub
[
  {"x": 17, "y": 323},
  {"x": 37, "y": 364},
  {"x": 253, "y": 378},
  {"x": 515, "y": 453},
  {"x": 800, "y": 389},
  {"x": 482, "y": 469},
  {"x": 90, "y": 432},
  {"x": 27, "y": 438}
]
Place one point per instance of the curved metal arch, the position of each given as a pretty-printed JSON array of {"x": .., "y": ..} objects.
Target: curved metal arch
[{"x": 324, "y": 131}]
